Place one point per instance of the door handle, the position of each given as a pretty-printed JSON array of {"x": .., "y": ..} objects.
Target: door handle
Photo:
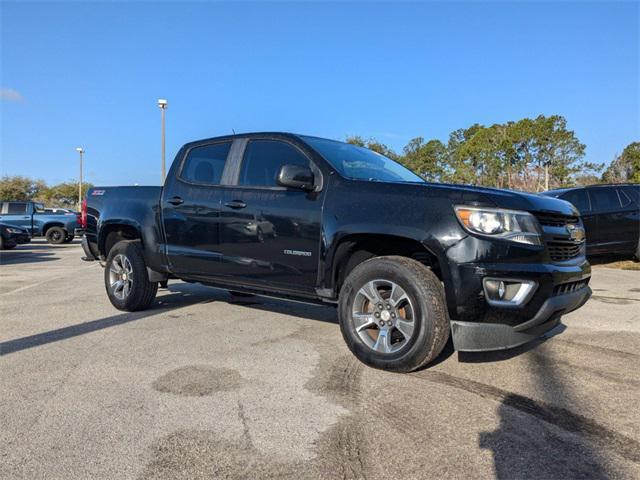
[
  {"x": 176, "y": 201},
  {"x": 236, "y": 204}
]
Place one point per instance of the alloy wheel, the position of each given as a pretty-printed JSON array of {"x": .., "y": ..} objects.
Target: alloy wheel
[
  {"x": 383, "y": 316},
  {"x": 121, "y": 276}
]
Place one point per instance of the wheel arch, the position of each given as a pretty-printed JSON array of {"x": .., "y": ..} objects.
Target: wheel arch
[
  {"x": 112, "y": 233},
  {"x": 52, "y": 224},
  {"x": 378, "y": 244}
]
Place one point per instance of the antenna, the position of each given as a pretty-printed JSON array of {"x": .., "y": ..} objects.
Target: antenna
[{"x": 234, "y": 132}]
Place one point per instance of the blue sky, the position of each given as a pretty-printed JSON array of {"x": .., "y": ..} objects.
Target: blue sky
[{"x": 89, "y": 74}]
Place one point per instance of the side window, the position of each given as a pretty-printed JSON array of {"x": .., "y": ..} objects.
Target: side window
[
  {"x": 17, "y": 208},
  {"x": 604, "y": 199},
  {"x": 579, "y": 199},
  {"x": 263, "y": 159},
  {"x": 633, "y": 192},
  {"x": 624, "y": 199},
  {"x": 205, "y": 164}
]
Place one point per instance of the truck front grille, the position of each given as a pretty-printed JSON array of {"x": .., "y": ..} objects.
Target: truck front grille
[
  {"x": 555, "y": 220},
  {"x": 557, "y": 236},
  {"x": 560, "y": 251}
]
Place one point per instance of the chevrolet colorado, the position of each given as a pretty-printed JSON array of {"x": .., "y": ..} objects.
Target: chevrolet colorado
[{"x": 407, "y": 263}]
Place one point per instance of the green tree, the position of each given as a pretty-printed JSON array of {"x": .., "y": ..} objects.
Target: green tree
[
  {"x": 429, "y": 159},
  {"x": 20, "y": 188},
  {"x": 373, "y": 144},
  {"x": 625, "y": 167},
  {"x": 63, "y": 195}
]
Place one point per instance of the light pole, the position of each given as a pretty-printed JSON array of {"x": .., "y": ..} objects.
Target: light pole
[
  {"x": 80, "y": 150},
  {"x": 162, "y": 103}
]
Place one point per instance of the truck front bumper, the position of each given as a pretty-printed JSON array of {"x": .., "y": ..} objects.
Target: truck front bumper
[{"x": 478, "y": 337}]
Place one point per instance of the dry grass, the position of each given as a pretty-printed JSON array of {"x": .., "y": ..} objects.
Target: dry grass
[{"x": 612, "y": 262}]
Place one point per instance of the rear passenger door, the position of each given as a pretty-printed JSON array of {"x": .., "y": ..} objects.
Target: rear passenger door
[
  {"x": 607, "y": 209},
  {"x": 17, "y": 213},
  {"x": 628, "y": 219},
  {"x": 191, "y": 201},
  {"x": 270, "y": 234}
]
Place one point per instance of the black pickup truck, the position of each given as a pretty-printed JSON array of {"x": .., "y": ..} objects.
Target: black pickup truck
[{"x": 408, "y": 263}]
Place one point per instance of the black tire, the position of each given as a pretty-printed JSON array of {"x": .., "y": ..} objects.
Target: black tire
[
  {"x": 425, "y": 299},
  {"x": 69, "y": 239},
  {"x": 56, "y": 235},
  {"x": 6, "y": 246},
  {"x": 141, "y": 291}
]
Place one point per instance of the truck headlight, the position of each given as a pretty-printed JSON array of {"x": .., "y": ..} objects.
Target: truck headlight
[
  {"x": 513, "y": 225},
  {"x": 15, "y": 230}
]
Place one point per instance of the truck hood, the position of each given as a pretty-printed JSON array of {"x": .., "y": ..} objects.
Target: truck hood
[{"x": 509, "y": 199}]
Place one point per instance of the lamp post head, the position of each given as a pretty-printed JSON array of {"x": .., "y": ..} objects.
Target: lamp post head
[
  {"x": 163, "y": 103},
  {"x": 80, "y": 149}
]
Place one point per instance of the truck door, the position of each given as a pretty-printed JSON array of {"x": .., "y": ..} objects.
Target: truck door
[
  {"x": 191, "y": 201},
  {"x": 270, "y": 234},
  {"x": 606, "y": 206},
  {"x": 18, "y": 214},
  {"x": 628, "y": 220}
]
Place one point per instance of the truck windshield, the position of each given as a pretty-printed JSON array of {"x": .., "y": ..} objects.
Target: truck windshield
[{"x": 361, "y": 163}]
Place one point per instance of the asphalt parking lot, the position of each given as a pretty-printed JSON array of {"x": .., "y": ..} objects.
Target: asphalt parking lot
[{"x": 202, "y": 386}]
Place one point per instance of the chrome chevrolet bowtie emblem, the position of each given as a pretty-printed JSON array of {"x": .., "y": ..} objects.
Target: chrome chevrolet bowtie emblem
[{"x": 576, "y": 233}]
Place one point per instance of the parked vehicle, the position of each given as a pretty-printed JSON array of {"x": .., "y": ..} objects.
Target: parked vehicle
[
  {"x": 56, "y": 228},
  {"x": 406, "y": 262},
  {"x": 611, "y": 216},
  {"x": 11, "y": 236},
  {"x": 61, "y": 211}
]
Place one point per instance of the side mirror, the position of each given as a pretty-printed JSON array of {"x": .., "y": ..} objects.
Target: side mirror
[{"x": 296, "y": 176}]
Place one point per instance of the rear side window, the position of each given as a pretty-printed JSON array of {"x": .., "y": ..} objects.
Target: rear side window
[
  {"x": 263, "y": 159},
  {"x": 624, "y": 199},
  {"x": 205, "y": 164},
  {"x": 604, "y": 199},
  {"x": 16, "y": 208},
  {"x": 579, "y": 199},
  {"x": 633, "y": 192}
]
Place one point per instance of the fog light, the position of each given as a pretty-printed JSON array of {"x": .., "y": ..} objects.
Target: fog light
[{"x": 507, "y": 292}]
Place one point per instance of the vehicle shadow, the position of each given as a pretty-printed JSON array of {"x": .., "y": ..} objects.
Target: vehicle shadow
[
  {"x": 164, "y": 304},
  {"x": 18, "y": 256},
  {"x": 310, "y": 311},
  {"x": 542, "y": 437}
]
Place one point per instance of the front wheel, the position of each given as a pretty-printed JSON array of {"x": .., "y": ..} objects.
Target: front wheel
[
  {"x": 125, "y": 278},
  {"x": 393, "y": 313}
]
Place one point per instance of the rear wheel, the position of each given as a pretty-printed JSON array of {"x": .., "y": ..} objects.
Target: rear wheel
[
  {"x": 393, "y": 314},
  {"x": 56, "y": 235},
  {"x": 125, "y": 278}
]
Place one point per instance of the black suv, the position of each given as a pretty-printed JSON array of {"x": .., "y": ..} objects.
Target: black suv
[{"x": 611, "y": 216}]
